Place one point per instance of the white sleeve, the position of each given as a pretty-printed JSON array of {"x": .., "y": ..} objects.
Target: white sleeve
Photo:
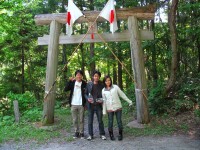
[
  {"x": 104, "y": 102},
  {"x": 122, "y": 95}
]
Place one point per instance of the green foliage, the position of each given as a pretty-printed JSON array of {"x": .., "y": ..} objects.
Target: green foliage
[
  {"x": 32, "y": 115},
  {"x": 5, "y": 106},
  {"x": 157, "y": 102},
  {"x": 131, "y": 95},
  {"x": 151, "y": 130},
  {"x": 188, "y": 94},
  {"x": 197, "y": 112},
  {"x": 182, "y": 105},
  {"x": 6, "y": 120},
  {"x": 24, "y": 132},
  {"x": 27, "y": 129},
  {"x": 26, "y": 102}
]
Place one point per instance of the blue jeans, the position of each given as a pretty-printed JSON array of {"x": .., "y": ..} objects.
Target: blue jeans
[
  {"x": 98, "y": 110},
  {"x": 111, "y": 118}
]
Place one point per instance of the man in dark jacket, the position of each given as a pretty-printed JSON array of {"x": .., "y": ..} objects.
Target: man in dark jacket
[
  {"x": 77, "y": 102},
  {"x": 92, "y": 93}
]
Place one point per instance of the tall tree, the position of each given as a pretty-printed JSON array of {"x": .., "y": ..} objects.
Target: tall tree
[
  {"x": 119, "y": 68},
  {"x": 92, "y": 54},
  {"x": 153, "y": 56},
  {"x": 173, "y": 33}
]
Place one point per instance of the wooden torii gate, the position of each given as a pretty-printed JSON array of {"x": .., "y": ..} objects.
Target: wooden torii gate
[{"x": 134, "y": 35}]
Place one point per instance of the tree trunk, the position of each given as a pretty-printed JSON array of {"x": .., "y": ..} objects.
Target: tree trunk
[
  {"x": 108, "y": 67},
  {"x": 64, "y": 46},
  {"x": 198, "y": 47},
  {"x": 114, "y": 73},
  {"x": 154, "y": 64},
  {"x": 172, "y": 27},
  {"x": 23, "y": 82},
  {"x": 119, "y": 71},
  {"x": 82, "y": 56},
  {"x": 92, "y": 64},
  {"x": 64, "y": 57},
  {"x": 119, "y": 68},
  {"x": 82, "y": 62}
]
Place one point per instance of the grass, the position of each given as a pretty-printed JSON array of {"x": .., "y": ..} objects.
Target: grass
[
  {"x": 23, "y": 132},
  {"x": 26, "y": 130},
  {"x": 70, "y": 139},
  {"x": 163, "y": 125},
  {"x": 149, "y": 130}
]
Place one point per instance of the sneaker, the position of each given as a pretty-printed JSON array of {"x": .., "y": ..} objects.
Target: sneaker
[
  {"x": 76, "y": 135},
  {"x": 82, "y": 135},
  {"x": 89, "y": 138},
  {"x": 103, "y": 137}
]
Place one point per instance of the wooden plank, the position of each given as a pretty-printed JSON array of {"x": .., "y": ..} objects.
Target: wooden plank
[
  {"x": 145, "y": 13},
  {"x": 109, "y": 37},
  {"x": 51, "y": 72},
  {"x": 137, "y": 58}
]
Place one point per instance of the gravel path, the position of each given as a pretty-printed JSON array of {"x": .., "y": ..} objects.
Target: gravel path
[
  {"x": 179, "y": 142},
  {"x": 129, "y": 143}
]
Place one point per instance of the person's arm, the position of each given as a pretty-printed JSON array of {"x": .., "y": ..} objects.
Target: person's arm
[
  {"x": 86, "y": 92},
  {"x": 104, "y": 102},
  {"x": 68, "y": 86},
  {"x": 123, "y": 96}
]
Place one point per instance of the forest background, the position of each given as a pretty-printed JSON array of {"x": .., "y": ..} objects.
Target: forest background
[{"x": 172, "y": 59}]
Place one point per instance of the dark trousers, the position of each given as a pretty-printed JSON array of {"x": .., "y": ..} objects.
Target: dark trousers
[
  {"x": 98, "y": 110},
  {"x": 111, "y": 118}
]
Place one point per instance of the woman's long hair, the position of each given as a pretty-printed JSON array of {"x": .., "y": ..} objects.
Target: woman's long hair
[{"x": 104, "y": 80}]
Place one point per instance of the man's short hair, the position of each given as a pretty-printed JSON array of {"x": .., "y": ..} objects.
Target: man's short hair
[
  {"x": 79, "y": 71},
  {"x": 96, "y": 72}
]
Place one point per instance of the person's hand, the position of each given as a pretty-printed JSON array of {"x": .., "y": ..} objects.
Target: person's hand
[
  {"x": 99, "y": 100},
  {"x": 90, "y": 100},
  {"x": 71, "y": 78},
  {"x": 130, "y": 104}
]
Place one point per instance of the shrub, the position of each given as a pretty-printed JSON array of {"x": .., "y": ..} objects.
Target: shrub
[
  {"x": 197, "y": 113},
  {"x": 182, "y": 105},
  {"x": 6, "y": 120},
  {"x": 33, "y": 114},
  {"x": 158, "y": 103},
  {"x": 130, "y": 93},
  {"x": 25, "y": 101},
  {"x": 5, "y": 107}
]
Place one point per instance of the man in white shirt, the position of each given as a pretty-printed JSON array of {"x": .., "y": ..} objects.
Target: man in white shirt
[{"x": 77, "y": 102}]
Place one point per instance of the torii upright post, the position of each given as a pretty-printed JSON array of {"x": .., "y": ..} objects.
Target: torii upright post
[
  {"x": 51, "y": 72},
  {"x": 139, "y": 71}
]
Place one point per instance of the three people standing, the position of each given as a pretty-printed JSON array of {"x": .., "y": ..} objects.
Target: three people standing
[{"x": 100, "y": 98}]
